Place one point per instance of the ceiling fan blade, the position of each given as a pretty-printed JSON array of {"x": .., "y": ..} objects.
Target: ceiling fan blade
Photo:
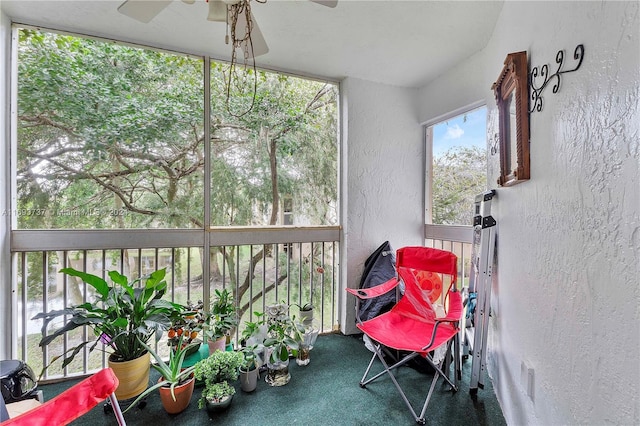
[
  {"x": 143, "y": 10},
  {"x": 328, "y": 3},
  {"x": 257, "y": 39}
]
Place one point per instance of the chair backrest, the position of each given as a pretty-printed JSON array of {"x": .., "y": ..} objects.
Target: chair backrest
[{"x": 427, "y": 274}]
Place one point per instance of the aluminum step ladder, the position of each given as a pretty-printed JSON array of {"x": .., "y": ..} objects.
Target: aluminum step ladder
[{"x": 482, "y": 257}]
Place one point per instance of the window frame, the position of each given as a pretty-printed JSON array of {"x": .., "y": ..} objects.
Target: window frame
[
  {"x": 207, "y": 61},
  {"x": 428, "y": 157}
]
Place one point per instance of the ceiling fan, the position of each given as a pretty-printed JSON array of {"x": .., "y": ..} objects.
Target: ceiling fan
[
  {"x": 246, "y": 38},
  {"x": 219, "y": 11}
]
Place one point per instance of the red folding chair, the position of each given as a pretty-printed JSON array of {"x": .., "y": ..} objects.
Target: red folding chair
[
  {"x": 413, "y": 328},
  {"x": 73, "y": 402}
]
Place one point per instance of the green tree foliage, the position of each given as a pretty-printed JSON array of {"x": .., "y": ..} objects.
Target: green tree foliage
[
  {"x": 112, "y": 136},
  {"x": 285, "y": 145},
  {"x": 458, "y": 176},
  {"x": 109, "y": 135}
]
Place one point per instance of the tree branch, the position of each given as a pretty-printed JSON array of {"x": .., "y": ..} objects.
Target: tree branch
[{"x": 40, "y": 120}]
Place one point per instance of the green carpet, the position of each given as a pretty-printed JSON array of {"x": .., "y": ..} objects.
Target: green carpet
[{"x": 325, "y": 392}]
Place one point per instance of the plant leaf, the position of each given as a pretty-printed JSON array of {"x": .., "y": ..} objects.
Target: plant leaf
[{"x": 94, "y": 281}]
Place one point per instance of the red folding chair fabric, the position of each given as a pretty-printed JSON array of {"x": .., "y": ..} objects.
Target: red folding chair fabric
[
  {"x": 408, "y": 332},
  {"x": 415, "y": 325},
  {"x": 73, "y": 403}
]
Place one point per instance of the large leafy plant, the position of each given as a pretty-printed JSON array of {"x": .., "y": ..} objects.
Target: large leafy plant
[{"x": 124, "y": 315}]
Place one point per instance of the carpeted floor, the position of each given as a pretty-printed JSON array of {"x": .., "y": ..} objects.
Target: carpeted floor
[{"x": 325, "y": 392}]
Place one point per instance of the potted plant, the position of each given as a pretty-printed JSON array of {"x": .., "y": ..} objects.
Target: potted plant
[
  {"x": 252, "y": 349},
  {"x": 249, "y": 368},
  {"x": 175, "y": 384},
  {"x": 124, "y": 317},
  {"x": 186, "y": 327},
  {"x": 220, "y": 320},
  {"x": 216, "y": 371},
  {"x": 306, "y": 336},
  {"x": 255, "y": 332},
  {"x": 277, "y": 344},
  {"x": 306, "y": 313}
]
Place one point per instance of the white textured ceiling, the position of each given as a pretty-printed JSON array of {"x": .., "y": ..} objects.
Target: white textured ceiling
[{"x": 403, "y": 43}]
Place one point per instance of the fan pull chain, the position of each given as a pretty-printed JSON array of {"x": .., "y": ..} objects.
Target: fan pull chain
[
  {"x": 226, "y": 35},
  {"x": 241, "y": 79}
]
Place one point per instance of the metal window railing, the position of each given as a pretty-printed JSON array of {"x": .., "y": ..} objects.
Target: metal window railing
[
  {"x": 261, "y": 265},
  {"x": 457, "y": 239}
]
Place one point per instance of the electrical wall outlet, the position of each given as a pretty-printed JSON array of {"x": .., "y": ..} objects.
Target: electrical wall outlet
[
  {"x": 527, "y": 380},
  {"x": 530, "y": 384},
  {"x": 524, "y": 371}
]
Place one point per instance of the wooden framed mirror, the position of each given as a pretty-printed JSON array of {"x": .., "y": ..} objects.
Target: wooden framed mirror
[{"x": 511, "y": 91}]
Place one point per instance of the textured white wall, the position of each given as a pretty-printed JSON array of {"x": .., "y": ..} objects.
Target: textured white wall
[
  {"x": 381, "y": 197},
  {"x": 567, "y": 292}
]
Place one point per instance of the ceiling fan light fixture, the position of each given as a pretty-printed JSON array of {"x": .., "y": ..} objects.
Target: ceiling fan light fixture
[
  {"x": 141, "y": 10},
  {"x": 217, "y": 11}
]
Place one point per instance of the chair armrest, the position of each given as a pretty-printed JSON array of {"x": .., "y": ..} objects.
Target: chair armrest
[
  {"x": 380, "y": 289},
  {"x": 456, "y": 308}
]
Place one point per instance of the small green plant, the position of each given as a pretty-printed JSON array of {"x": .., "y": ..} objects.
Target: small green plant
[
  {"x": 172, "y": 373},
  {"x": 305, "y": 312},
  {"x": 304, "y": 308},
  {"x": 222, "y": 316},
  {"x": 253, "y": 329},
  {"x": 252, "y": 340},
  {"x": 282, "y": 332},
  {"x": 216, "y": 371},
  {"x": 249, "y": 357},
  {"x": 216, "y": 393}
]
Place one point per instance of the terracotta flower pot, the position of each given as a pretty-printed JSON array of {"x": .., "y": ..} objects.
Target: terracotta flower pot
[
  {"x": 183, "y": 395},
  {"x": 133, "y": 376}
]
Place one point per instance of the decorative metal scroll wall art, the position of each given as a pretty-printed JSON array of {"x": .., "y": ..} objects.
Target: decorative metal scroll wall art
[{"x": 542, "y": 73}]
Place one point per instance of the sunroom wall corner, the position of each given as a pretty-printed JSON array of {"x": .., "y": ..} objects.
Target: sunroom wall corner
[
  {"x": 565, "y": 291},
  {"x": 381, "y": 193}
]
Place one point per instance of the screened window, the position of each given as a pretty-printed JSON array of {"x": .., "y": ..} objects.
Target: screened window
[
  {"x": 457, "y": 167},
  {"x": 112, "y": 136},
  {"x": 286, "y": 145},
  {"x": 109, "y": 136}
]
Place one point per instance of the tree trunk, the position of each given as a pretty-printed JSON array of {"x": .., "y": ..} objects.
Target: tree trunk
[{"x": 273, "y": 168}]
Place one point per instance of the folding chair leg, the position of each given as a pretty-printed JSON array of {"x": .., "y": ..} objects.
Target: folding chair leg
[
  {"x": 387, "y": 369},
  {"x": 421, "y": 419},
  {"x": 363, "y": 383},
  {"x": 458, "y": 355},
  {"x": 116, "y": 409},
  {"x": 455, "y": 358}
]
